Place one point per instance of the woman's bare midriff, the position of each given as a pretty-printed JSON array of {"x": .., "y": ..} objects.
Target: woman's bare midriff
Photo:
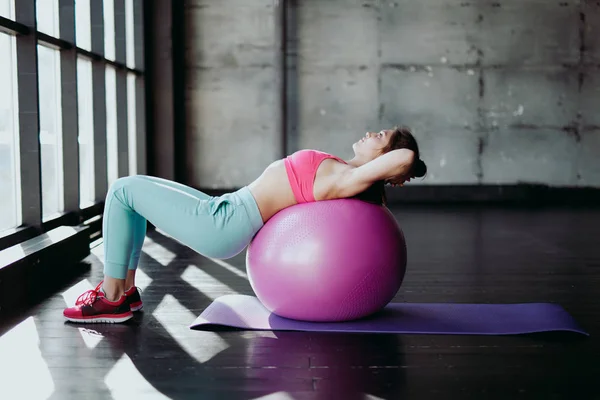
[{"x": 273, "y": 192}]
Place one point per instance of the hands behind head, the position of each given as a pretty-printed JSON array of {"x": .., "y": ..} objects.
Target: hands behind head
[
  {"x": 397, "y": 181},
  {"x": 417, "y": 170}
]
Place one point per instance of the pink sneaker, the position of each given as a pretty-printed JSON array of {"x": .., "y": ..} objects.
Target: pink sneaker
[
  {"x": 134, "y": 299},
  {"x": 93, "y": 307}
]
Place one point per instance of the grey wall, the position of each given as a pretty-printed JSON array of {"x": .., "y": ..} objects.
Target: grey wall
[
  {"x": 497, "y": 92},
  {"x": 231, "y": 94}
]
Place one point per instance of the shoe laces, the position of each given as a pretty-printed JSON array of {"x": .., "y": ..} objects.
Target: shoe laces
[{"x": 89, "y": 296}]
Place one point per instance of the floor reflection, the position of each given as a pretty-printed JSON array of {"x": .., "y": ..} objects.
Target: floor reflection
[{"x": 254, "y": 363}]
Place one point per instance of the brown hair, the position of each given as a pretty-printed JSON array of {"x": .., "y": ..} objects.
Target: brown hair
[{"x": 401, "y": 138}]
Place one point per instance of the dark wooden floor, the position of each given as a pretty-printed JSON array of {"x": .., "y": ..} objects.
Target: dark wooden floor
[{"x": 455, "y": 255}]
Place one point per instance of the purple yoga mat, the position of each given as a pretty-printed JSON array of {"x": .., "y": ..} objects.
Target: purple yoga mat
[{"x": 246, "y": 312}]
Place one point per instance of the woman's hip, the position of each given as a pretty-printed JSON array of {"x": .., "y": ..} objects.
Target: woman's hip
[{"x": 234, "y": 221}]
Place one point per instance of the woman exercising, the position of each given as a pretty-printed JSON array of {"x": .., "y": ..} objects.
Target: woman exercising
[{"x": 222, "y": 227}]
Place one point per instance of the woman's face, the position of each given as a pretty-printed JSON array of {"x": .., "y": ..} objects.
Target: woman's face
[{"x": 372, "y": 143}]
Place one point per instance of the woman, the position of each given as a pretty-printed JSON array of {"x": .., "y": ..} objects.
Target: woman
[{"x": 221, "y": 227}]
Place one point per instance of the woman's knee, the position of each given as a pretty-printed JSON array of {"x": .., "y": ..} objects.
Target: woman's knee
[{"x": 121, "y": 184}]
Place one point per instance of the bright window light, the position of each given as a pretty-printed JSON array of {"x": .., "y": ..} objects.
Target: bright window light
[
  {"x": 111, "y": 125},
  {"x": 85, "y": 107},
  {"x": 50, "y": 131},
  {"x": 47, "y": 17},
  {"x": 10, "y": 201}
]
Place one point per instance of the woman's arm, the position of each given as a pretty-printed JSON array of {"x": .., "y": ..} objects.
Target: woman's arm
[{"x": 357, "y": 180}]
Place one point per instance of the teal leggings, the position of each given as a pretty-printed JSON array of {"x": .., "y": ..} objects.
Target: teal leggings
[{"x": 216, "y": 227}]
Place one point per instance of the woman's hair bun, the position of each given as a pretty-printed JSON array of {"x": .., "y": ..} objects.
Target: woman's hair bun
[{"x": 419, "y": 169}]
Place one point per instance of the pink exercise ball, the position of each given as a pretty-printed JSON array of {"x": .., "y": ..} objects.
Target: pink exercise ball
[{"x": 332, "y": 260}]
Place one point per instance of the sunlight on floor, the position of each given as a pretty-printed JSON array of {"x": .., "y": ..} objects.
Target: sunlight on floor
[
  {"x": 229, "y": 267},
  {"x": 253, "y": 334},
  {"x": 70, "y": 295},
  {"x": 170, "y": 313},
  {"x": 98, "y": 250},
  {"x": 276, "y": 396},
  {"x": 125, "y": 382},
  {"x": 90, "y": 337},
  {"x": 142, "y": 280},
  {"x": 159, "y": 253},
  {"x": 24, "y": 373},
  {"x": 205, "y": 283}
]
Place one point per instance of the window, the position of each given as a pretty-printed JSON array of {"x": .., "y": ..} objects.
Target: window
[
  {"x": 111, "y": 125},
  {"x": 109, "y": 29},
  {"x": 47, "y": 17},
  {"x": 7, "y": 9},
  {"x": 83, "y": 24},
  {"x": 85, "y": 107},
  {"x": 10, "y": 200},
  {"x": 130, "y": 33},
  {"x": 36, "y": 188},
  {"x": 131, "y": 124},
  {"x": 50, "y": 131}
]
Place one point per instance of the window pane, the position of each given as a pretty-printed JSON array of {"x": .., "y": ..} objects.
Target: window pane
[
  {"x": 130, "y": 36},
  {"x": 83, "y": 24},
  {"x": 109, "y": 29},
  {"x": 131, "y": 124},
  {"x": 47, "y": 17},
  {"x": 111, "y": 124},
  {"x": 50, "y": 131},
  {"x": 7, "y": 9},
  {"x": 10, "y": 200},
  {"x": 85, "y": 107},
  {"x": 130, "y": 32}
]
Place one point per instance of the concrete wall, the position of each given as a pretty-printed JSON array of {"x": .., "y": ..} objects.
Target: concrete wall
[
  {"x": 497, "y": 92},
  {"x": 231, "y": 94}
]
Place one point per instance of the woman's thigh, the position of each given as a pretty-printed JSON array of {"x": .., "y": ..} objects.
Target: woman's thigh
[{"x": 213, "y": 226}]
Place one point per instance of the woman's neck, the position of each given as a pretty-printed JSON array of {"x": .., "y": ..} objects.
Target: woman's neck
[{"x": 357, "y": 161}]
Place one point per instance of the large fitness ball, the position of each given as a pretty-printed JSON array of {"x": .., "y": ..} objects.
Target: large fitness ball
[{"x": 331, "y": 260}]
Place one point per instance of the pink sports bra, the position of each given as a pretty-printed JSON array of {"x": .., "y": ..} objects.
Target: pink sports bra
[{"x": 301, "y": 168}]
